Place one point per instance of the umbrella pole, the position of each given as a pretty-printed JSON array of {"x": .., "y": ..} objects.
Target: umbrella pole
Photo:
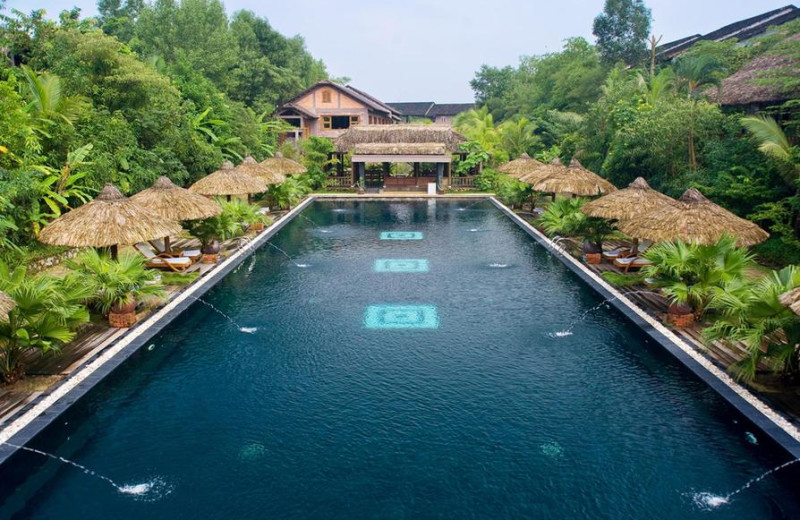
[
  {"x": 167, "y": 245},
  {"x": 228, "y": 198},
  {"x": 114, "y": 251},
  {"x": 635, "y": 248}
]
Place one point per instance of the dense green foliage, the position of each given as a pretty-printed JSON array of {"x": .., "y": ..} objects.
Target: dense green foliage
[
  {"x": 169, "y": 88},
  {"x": 662, "y": 124},
  {"x": 621, "y": 30}
]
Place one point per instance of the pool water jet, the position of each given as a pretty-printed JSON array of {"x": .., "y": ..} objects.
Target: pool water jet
[
  {"x": 287, "y": 255},
  {"x": 246, "y": 330},
  {"x": 585, "y": 314}
]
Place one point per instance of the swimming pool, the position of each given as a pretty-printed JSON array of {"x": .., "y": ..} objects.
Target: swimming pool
[{"x": 405, "y": 366}]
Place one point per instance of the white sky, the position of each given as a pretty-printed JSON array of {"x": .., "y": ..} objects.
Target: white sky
[{"x": 418, "y": 50}]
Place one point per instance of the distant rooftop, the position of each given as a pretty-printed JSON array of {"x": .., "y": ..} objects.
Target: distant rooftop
[
  {"x": 430, "y": 109},
  {"x": 741, "y": 30}
]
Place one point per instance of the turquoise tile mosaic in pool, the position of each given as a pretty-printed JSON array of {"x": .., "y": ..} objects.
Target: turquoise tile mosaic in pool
[
  {"x": 401, "y": 317},
  {"x": 401, "y": 265},
  {"x": 401, "y": 235}
]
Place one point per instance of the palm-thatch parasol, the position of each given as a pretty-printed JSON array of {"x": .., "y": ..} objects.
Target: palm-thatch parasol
[
  {"x": 7, "y": 304},
  {"x": 228, "y": 181},
  {"x": 543, "y": 171},
  {"x": 693, "y": 219},
  {"x": 522, "y": 165},
  {"x": 634, "y": 201},
  {"x": 281, "y": 166},
  {"x": 171, "y": 202},
  {"x": 263, "y": 171},
  {"x": 110, "y": 219},
  {"x": 791, "y": 299},
  {"x": 575, "y": 180}
]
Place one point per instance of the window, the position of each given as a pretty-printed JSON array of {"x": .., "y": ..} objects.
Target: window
[
  {"x": 339, "y": 122},
  {"x": 326, "y": 96},
  {"x": 354, "y": 120},
  {"x": 326, "y": 122}
]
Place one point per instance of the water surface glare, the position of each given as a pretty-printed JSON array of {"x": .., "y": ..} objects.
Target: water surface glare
[{"x": 456, "y": 404}]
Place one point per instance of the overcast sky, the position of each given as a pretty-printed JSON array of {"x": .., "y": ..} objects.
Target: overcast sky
[{"x": 428, "y": 50}]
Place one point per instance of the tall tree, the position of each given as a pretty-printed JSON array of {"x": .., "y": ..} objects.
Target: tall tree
[{"x": 621, "y": 30}]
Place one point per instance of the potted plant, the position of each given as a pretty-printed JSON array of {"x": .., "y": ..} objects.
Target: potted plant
[
  {"x": 117, "y": 286},
  {"x": 680, "y": 315},
  {"x": 211, "y": 230},
  {"x": 595, "y": 231},
  {"x": 46, "y": 312},
  {"x": 361, "y": 187}
]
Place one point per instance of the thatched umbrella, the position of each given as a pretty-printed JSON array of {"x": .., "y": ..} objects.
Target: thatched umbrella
[
  {"x": 791, "y": 299},
  {"x": 543, "y": 171},
  {"x": 693, "y": 219},
  {"x": 522, "y": 165},
  {"x": 7, "y": 304},
  {"x": 228, "y": 181},
  {"x": 634, "y": 201},
  {"x": 575, "y": 180},
  {"x": 279, "y": 166},
  {"x": 110, "y": 219},
  {"x": 171, "y": 202}
]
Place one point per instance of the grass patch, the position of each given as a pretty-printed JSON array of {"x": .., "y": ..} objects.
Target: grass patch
[
  {"x": 624, "y": 280},
  {"x": 179, "y": 278}
]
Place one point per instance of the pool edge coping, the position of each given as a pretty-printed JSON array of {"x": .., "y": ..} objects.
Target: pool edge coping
[
  {"x": 761, "y": 414},
  {"x": 46, "y": 408}
]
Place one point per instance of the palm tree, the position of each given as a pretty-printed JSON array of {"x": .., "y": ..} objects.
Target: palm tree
[
  {"x": 695, "y": 73},
  {"x": 774, "y": 143},
  {"x": 288, "y": 193},
  {"x": 753, "y": 315},
  {"x": 691, "y": 274},
  {"x": 518, "y": 137},
  {"x": 563, "y": 216},
  {"x": 48, "y": 103},
  {"x": 47, "y": 311},
  {"x": 478, "y": 126}
]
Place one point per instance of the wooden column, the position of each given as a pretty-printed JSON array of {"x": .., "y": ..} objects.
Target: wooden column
[
  {"x": 439, "y": 175},
  {"x": 362, "y": 174}
]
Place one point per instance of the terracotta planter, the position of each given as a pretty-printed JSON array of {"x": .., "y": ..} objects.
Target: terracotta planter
[
  {"x": 593, "y": 258},
  {"x": 680, "y": 320},
  {"x": 126, "y": 308},
  {"x": 257, "y": 227},
  {"x": 210, "y": 258},
  {"x": 680, "y": 315},
  {"x": 121, "y": 320}
]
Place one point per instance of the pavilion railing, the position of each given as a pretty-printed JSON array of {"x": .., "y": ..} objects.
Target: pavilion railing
[
  {"x": 462, "y": 182},
  {"x": 339, "y": 183}
]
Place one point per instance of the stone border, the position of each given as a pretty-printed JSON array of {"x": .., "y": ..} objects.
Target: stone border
[
  {"x": 48, "y": 407},
  {"x": 763, "y": 416}
]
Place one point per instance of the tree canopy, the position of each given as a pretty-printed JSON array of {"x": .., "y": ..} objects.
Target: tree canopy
[{"x": 622, "y": 30}]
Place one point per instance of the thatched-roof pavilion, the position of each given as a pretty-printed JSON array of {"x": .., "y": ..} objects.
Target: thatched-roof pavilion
[
  {"x": 748, "y": 88},
  {"x": 227, "y": 181},
  {"x": 171, "y": 202},
  {"x": 415, "y": 144},
  {"x": 521, "y": 166},
  {"x": 693, "y": 219},
  {"x": 543, "y": 171},
  {"x": 7, "y": 304},
  {"x": 281, "y": 166},
  {"x": 108, "y": 220}
]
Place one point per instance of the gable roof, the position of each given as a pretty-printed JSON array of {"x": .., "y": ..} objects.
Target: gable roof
[
  {"x": 413, "y": 109},
  {"x": 360, "y": 96},
  {"x": 450, "y": 109},
  {"x": 741, "y": 30}
]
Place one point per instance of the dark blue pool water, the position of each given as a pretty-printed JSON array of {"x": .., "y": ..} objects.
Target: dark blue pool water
[{"x": 422, "y": 390}]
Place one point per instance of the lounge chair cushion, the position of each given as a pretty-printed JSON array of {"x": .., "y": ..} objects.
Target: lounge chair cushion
[
  {"x": 615, "y": 253},
  {"x": 174, "y": 261}
]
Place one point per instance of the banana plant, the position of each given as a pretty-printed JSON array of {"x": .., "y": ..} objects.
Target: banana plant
[
  {"x": 59, "y": 186},
  {"x": 205, "y": 126}
]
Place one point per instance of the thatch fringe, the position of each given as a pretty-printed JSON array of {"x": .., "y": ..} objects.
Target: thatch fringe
[
  {"x": 250, "y": 167},
  {"x": 575, "y": 180},
  {"x": 693, "y": 219},
  {"x": 171, "y": 202},
  {"x": 281, "y": 166},
  {"x": 522, "y": 165},
  {"x": 228, "y": 181},
  {"x": 791, "y": 300},
  {"x": 396, "y": 134},
  {"x": 636, "y": 200},
  {"x": 7, "y": 304},
  {"x": 108, "y": 220},
  {"x": 400, "y": 149}
]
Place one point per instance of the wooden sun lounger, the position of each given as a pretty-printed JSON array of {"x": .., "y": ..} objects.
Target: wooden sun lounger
[
  {"x": 159, "y": 261},
  {"x": 193, "y": 254},
  {"x": 631, "y": 263}
]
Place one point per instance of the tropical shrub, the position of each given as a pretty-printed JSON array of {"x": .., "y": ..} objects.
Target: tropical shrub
[
  {"x": 692, "y": 274},
  {"x": 316, "y": 151},
  {"x": 115, "y": 283},
  {"x": 564, "y": 217},
  {"x": 288, "y": 193},
  {"x": 752, "y": 314},
  {"x": 47, "y": 312}
]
